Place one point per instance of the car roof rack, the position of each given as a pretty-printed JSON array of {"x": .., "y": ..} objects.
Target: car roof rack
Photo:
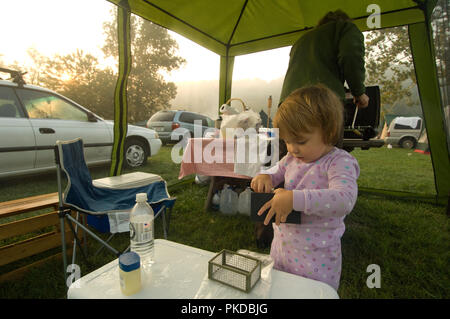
[{"x": 16, "y": 76}]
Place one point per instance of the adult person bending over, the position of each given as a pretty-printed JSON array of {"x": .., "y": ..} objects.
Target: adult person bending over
[{"x": 330, "y": 54}]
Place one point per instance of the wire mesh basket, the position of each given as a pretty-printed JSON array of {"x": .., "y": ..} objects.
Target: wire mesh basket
[{"x": 235, "y": 270}]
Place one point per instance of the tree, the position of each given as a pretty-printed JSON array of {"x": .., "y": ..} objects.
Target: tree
[
  {"x": 389, "y": 64},
  {"x": 440, "y": 22},
  {"x": 77, "y": 76},
  {"x": 34, "y": 74},
  {"x": 80, "y": 77},
  {"x": 153, "y": 51}
]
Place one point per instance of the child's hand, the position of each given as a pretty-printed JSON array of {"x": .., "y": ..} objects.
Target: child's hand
[
  {"x": 281, "y": 205},
  {"x": 262, "y": 183}
]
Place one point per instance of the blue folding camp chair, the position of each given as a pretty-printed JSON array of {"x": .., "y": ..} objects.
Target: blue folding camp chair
[{"x": 81, "y": 196}]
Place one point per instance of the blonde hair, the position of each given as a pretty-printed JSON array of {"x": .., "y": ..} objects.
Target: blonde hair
[{"x": 309, "y": 108}]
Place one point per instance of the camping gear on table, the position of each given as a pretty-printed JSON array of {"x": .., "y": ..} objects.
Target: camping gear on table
[
  {"x": 243, "y": 120},
  {"x": 142, "y": 229},
  {"x": 235, "y": 270},
  {"x": 130, "y": 273}
]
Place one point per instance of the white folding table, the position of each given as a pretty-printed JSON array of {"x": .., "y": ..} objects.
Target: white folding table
[{"x": 178, "y": 273}]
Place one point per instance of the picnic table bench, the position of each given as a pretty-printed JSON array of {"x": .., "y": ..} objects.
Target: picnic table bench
[
  {"x": 43, "y": 241},
  {"x": 23, "y": 205}
]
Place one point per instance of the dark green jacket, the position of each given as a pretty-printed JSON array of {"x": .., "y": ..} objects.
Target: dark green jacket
[{"x": 329, "y": 54}]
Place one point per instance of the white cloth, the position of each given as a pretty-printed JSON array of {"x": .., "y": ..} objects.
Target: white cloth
[
  {"x": 408, "y": 121},
  {"x": 247, "y": 160}
]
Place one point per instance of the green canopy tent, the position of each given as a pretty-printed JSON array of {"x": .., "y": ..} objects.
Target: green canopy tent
[{"x": 236, "y": 27}]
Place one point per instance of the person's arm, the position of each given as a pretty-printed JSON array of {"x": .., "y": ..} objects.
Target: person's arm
[
  {"x": 351, "y": 58},
  {"x": 339, "y": 199},
  {"x": 361, "y": 101},
  {"x": 277, "y": 171}
]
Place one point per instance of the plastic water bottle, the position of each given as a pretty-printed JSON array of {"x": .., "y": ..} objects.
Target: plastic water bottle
[
  {"x": 142, "y": 230},
  {"x": 244, "y": 201},
  {"x": 228, "y": 200}
]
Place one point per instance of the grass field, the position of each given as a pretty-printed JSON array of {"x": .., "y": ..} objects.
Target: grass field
[
  {"x": 407, "y": 239},
  {"x": 395, "y": 169}
]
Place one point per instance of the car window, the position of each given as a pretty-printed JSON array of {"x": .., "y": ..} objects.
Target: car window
[
  {"x": 191, "y": 117},
  {"x": 9, "y": 104},
  {"x": 162, "y": 117},
  {"x": 206, "y": 121},
  {"x": 42, "y": 105},
  {"x": 187, "y": 118}
]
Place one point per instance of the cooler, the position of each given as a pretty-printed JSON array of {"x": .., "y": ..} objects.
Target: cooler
[
  {"x": 119, "y": 222},
  {"x": 129, "y": 180}
]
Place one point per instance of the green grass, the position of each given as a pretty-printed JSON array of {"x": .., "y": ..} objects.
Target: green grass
[
  {"x": 395, "y": 169},
  {"x": 407, "y": 239}
]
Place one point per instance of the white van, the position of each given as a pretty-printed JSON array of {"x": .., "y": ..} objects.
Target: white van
[{"x": 404, "y": 131}]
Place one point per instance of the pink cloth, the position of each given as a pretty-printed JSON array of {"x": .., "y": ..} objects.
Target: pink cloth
[
  {"x": 209, "y": 156},
  {"x": 324, "y": 191}
]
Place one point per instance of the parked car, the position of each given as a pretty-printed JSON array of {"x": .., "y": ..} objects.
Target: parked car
[
  {"x": 166, "y": 121},
  {"x": 33, "y": 118},
  {"x": 404, "y": 131}
]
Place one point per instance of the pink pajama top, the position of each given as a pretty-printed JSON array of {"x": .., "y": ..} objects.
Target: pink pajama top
[{"x": 325, "y": 191}]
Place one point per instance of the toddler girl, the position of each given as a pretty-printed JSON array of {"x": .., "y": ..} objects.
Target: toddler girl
[{"x": 319, "y": 180}]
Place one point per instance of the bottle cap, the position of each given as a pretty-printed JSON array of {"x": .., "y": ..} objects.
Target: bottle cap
[
  {"x": 141, "y": 197},
  {"x": 129, "y": 261}
]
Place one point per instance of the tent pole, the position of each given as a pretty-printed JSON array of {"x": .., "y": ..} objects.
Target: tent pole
[
  {"x": 120, "y": 93},
  {"x": 422, "y": 50},
  {"x": 226, "y": 76}
]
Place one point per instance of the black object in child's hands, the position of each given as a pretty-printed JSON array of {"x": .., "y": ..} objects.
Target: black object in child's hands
[{"x": 259, "y": 199}]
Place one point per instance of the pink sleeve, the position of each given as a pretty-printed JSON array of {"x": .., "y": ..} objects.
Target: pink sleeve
[
  {"x": 277, "y": 171},
  {"x": 340, "y": 197}
]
